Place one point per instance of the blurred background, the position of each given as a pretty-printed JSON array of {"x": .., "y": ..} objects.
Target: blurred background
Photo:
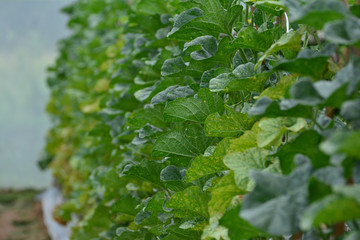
[{"x": 29, "y": 30}]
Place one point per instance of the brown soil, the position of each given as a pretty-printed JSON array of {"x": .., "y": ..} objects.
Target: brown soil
[{"x": 21, "y": 216}]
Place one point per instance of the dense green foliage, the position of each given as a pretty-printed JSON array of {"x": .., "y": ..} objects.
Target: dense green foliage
[{"x": 208, "y": 119}]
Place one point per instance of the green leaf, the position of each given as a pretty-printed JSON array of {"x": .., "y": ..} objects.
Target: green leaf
[
  {"x": 331, "y": 209},
  {"x": 230, "y": 124},
  {"x": 222, "y": 194},
  {"x": 189, "y": 144},
  {"x": 193, "y": 109},
  {"x": 317, "y": 13},
  {"x": 307, "y": 63},
  {"x": 286, "y": 108},
  {"x": 277, "y": 202},
  {"x": 272, "y": 7},
  {"x": 153, "y": 116},
  {"x": 204, "y": 165},
  {"x": 305, "y": 93},
  {"x": 177, "y": 233},
  {"x": 123, "y": 233},
  {"x": 192, "y": 202},
  {"x": 252, "y": 39},
  {"x": 186, "y": 109},
  {"x": 344, "y": 32},
  {"x": 305, "y": 143},
  {"x": 172, "y": 176},
  {"x": 174, "y": 144},
  {"x": 153, "y": 7},
  {"x": 272, "y": 129},
  {"x": 242, "y": 163},
  {"x": 289, "y": 42},
  {"x": 214, "y": 231},
  {"x": 126, "y": 204},
  {"x": 350, "y": 110},
  {"x": 208, "y": 45},
  {"x": 172, "y": 66},
  {"x": 280, "y": 89},
  {"x": 207, "y": 17},
  {"x": 171, "y": 93},
  {"x": 239, "y": 228},
  {"x": 244, "y": 142},
  {"x": 242, "y": 78},
  {"x": 146, "y": 170},
  {"x": 184, "y": 19},
  {"x": 342, "y": 142}
]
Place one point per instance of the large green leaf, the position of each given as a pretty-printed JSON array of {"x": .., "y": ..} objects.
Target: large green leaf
[
  {"x": 153, "y": 116},
  {"x": 171, "y": 93},
  {"x": 277, "y": 202},
  {"x": 308, "y": 63},
  {"x": 223, "y": 193},
  {"x": 194, "y": 109},
  {"x": 239, "y": 228},
  {"x": 188, "y": 144},
  {"x": 278, "y": 91},
  {"x": 146, "y": 170},
  {"x": 172, "y": 66},
  {"x": 208, "y": 45},
  {"x": 344, "y": 32},
  {"x": 242, "y": 163},
  {"x": 286, "y": 108},
  {"x": 340, "y": 206},
  {"x": 272, "y": 129},
  {"x": 204, "y": 18},
  {"x": 230, "y": 124},
  {"x": 153, "y": 7},
  {"x": 305, "y": 143},
  {"x": 204, "y": 165},
  {"x": 289, "y": 43},
  {"x": 252, "y": 39},
  {"x": 174, "y": 143},
  {"x": 192, "y": 202},
  {"x": 274, "y": 7},
  {"x": 244, "y": 142},
  {"x": 342, "y": 142}
]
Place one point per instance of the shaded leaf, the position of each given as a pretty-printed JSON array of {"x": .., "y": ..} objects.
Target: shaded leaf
[
  {"x": 277, "y": 202},
  {"x": 208, "y": 45}
]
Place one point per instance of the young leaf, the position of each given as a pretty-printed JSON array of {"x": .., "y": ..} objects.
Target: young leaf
[{"x": 242, "y": 163}]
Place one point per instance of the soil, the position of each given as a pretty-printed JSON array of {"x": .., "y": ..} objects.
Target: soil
[{"x": 21, "y": 216}]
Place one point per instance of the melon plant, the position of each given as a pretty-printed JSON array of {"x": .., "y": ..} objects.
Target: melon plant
[{"x": 216, "y": 119}]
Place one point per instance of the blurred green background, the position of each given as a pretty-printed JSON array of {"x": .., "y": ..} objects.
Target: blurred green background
[{"x": 29, "y": 30}]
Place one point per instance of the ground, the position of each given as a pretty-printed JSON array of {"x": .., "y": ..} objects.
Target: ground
[{"x": 21, "y": 216}]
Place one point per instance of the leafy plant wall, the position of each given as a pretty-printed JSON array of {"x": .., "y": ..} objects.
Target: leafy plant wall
[{"x": 217, "y": 119}]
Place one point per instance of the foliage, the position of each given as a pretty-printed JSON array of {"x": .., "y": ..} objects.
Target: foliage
[{"x": 207, "y": 120}]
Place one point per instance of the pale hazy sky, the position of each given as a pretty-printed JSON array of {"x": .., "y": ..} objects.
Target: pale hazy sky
[{"x": 29, "y": 30}]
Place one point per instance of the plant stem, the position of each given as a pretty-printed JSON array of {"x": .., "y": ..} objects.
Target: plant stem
[
  {"x": 306, "y": 40},
  {"x": 243, "y": 55},
  {"x": 246, "y": 14}
]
